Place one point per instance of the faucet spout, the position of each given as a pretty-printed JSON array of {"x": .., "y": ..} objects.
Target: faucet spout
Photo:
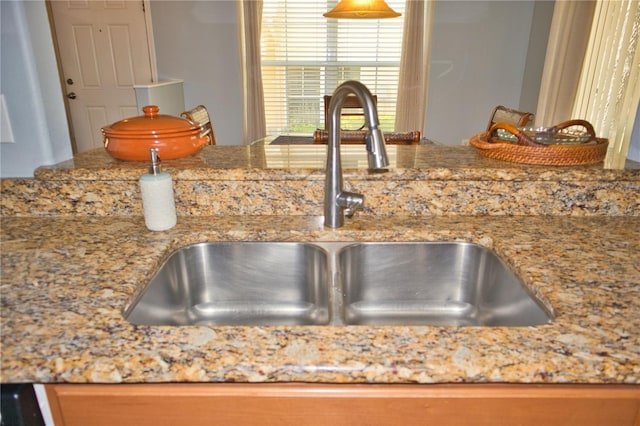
[{"x": 337, "y": 201}]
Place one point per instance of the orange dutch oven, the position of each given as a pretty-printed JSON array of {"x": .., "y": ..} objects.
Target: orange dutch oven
[{"x": 131, "y": 138}]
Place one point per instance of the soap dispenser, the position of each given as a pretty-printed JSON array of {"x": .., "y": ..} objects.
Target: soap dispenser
[{"x": 158, "y": 201}]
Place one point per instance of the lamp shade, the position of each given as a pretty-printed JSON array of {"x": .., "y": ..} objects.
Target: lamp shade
[{"x": 362, "y": 9}]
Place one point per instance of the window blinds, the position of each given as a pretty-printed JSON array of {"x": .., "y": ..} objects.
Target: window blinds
[
  {"x": 306, "y": 56},
  {"x": 609, "y": 88}
]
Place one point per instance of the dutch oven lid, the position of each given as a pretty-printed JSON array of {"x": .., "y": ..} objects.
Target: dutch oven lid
[{"x": 152, "y": 123}]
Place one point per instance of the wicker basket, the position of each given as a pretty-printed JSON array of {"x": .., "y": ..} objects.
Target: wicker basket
[{"x": 529, "y": 151}]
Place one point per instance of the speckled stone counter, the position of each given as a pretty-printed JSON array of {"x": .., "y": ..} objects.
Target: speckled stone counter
[
  {"x": 289, "y": 180},
  {"x": 66, "y": 278},
  {"x": 65, "y": 282}
]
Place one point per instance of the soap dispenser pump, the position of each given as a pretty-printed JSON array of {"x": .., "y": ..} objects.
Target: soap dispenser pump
[{"x": 158, "y": 201}]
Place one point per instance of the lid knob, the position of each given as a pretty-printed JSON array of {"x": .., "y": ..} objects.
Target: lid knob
[{"x": 150, "y": 111}]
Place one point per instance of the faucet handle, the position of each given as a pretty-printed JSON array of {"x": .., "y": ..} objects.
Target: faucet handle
[{"x": 350, "y": 202}]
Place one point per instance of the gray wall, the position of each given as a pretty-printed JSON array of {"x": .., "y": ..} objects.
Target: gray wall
[
  {"x": 634, "y": 146},
  {"x": 536, "y": 53},
  {"x": 479, "y": 56},
  {"x": 31, "y": 89},
  {"x": 197, "y": 41}
]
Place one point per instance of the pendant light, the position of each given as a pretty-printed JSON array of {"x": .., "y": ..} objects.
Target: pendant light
[{"x": 362, "y": 9}]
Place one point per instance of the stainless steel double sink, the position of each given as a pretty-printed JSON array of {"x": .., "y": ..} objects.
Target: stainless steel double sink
[{"x": 336, "y": 283}]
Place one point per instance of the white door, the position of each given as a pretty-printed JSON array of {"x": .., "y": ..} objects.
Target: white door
[{"x": 103, "y": 52}]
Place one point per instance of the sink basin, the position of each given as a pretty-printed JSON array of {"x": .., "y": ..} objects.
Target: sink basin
[
  {"x": 237, "y": 283},
  {"x": 449, "y": 284},
  {"x": 291, "y": 283}
]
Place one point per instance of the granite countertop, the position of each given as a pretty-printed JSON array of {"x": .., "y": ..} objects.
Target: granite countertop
[
  {"x": 68, "y": 273},
  {"x": 65, "y": 282},
  {"x": 271, "y": 162},
  {"x": 289, "y": 180}
]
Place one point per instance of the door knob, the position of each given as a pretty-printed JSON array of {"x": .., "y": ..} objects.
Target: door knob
[{"x": 71, "y": 95}]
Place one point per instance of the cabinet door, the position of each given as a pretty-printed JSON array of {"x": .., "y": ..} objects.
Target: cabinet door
[{"x": 343, "y": 405}]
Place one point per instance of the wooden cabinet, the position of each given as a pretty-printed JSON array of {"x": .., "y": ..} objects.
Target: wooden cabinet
[{"x": 340, "y": 405}]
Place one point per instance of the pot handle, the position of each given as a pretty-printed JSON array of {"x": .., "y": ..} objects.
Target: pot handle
[{"x": 204, "y": 139}]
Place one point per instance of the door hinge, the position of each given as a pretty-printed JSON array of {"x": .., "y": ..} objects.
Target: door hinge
[{"x": 143, "y": 9}]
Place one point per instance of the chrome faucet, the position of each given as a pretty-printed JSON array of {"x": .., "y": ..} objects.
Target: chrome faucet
[{"x": 337, "y": 201}]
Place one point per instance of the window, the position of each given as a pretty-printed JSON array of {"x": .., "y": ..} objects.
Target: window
[
  {"x": 609, "y": 88},
  {"x": 306, "y": 56}
]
